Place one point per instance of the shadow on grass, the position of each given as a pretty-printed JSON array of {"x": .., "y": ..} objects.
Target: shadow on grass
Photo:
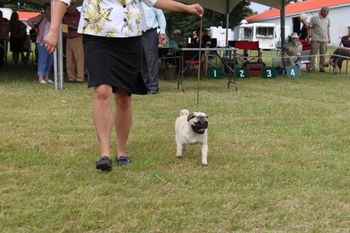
[{"x": 20, "y": 72}]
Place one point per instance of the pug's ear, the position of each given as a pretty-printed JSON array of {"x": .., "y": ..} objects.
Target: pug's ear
[{"x": 190, "y": 116}]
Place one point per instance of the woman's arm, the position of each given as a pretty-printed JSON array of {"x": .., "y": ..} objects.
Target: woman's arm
[
  {"x": 60, "y": 7},
  {"x": 341, "y": 46},
  {"x": 179, "y": 7},
  {"x": 51, "y": 39}
]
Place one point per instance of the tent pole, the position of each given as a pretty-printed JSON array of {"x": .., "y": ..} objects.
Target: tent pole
[
  {"x": 55, "y": 72},
  {"x": 58, "y": 65},
  {"x": 58, "y": 59},
  {"x": 227, "y": 21},
  {"x": 283, "y": 30},
  {"x": 227, "y": 25}
]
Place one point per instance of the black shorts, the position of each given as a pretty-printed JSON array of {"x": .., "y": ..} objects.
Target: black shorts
[{"x": 115, "y": 62}]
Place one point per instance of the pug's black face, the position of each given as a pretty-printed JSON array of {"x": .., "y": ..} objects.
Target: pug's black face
[{"x": 199, "y": 122}]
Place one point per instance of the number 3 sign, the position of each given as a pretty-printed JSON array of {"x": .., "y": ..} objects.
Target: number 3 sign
[{"x": 269, "y": 72}]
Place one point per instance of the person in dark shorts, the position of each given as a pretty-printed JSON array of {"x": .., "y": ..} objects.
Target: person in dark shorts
[{"x": 113, "y": 55}]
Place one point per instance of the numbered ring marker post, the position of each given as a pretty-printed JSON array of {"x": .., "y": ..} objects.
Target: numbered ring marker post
[
  {"x": 241, "y": 73},
  {"x": 293, "y": 72},
  {"x": 269, "y": 72}
]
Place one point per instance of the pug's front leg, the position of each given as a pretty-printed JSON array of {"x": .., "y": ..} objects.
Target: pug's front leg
[
  {"x": 204, "y": 150},
  {"x": 179, "y": 149}
]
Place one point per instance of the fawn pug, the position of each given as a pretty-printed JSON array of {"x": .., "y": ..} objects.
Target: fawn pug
[{"x": 191, "y": 128}]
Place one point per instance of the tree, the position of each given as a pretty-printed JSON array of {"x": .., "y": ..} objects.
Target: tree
[{"x": 20, "y": 5}]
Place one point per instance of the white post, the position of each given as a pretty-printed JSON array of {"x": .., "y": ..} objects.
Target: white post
[
  {"x": 58, "y": 59},
  {"x": 60, "y": 62},
  {"x": 227, "y": 27},
  {"x": 227, "y": 21}
]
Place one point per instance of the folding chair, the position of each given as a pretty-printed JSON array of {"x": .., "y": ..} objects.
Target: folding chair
[
  {"x": 246, "y": 46},
  {"x": 253, "y": 63},
  {"x": 191, "y": 62},
  {"x": 341, "y": 66},
  {"x": 347, "y": 65}
]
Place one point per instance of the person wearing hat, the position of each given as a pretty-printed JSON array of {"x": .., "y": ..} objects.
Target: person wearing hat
[
  {"x": 292, "y": 50},
  {"x": 343, "y": 50},
  {"x": 176, "y": 41},
  {"x": 174, "y": 44}
]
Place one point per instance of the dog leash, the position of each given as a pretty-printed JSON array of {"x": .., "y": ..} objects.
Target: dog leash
[{"x": 199, "y": 59}]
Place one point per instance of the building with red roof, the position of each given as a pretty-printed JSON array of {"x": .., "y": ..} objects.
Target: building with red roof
[{"x": 339, "y": 9}]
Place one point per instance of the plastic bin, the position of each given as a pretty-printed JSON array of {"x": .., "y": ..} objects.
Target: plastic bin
[{"x": 170, "y": 73}]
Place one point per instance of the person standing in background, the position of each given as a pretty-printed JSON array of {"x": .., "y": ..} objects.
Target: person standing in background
[
  {"x": 42, "y": 23},
  {"x": 303, "y": 35},
  {"x": 319, "y": 34},
  {"x": 153, "y": 18},
  {"x": 18, "y": 37},
  {"x": 74, "y": 46},
  {"x": 4, "y": 36}
]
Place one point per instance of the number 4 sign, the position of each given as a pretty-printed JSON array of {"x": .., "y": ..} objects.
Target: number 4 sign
[
  {"x": 241, "y": 73},
  {"x": 293, "y": 71}
]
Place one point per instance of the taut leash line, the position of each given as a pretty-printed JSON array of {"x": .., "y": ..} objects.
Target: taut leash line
[{"x": 199, "y": 59}]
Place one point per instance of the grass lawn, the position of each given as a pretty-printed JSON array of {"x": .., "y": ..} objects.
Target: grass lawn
[{"x": 279, "y": 159}]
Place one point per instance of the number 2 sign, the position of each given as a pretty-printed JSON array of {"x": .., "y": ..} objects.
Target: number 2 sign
[{"x": 241, "y": 73}]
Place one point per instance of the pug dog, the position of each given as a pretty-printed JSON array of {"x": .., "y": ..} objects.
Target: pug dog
[{"x": 190, "y": 129}]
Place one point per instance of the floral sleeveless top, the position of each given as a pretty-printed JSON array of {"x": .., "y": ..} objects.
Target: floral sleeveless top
[{"x": 111, "y": 18}]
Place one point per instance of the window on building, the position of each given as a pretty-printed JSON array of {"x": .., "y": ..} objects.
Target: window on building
[
  {"x": 248, "y": 33},
  {"x": 264, "y": 32}
]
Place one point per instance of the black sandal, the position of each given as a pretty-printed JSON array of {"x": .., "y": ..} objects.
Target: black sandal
[
  {"x": 104, "y": 163},
  {"x": 123, "y": 160}
]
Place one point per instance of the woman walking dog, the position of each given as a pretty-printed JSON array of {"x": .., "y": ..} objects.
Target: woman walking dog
[{"x": 112, "y": 46}]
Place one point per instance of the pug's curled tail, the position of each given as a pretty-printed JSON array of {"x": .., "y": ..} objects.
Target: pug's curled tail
[{"x": 184, "y": 112}]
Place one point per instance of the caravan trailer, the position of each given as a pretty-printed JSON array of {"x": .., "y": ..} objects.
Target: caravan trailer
[
  {"x": 268, "y": 34},
  {"x": 219, "y": 33}
]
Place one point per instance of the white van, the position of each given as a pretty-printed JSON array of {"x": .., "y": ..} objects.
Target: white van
[{"x": 268, "y": 34}]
